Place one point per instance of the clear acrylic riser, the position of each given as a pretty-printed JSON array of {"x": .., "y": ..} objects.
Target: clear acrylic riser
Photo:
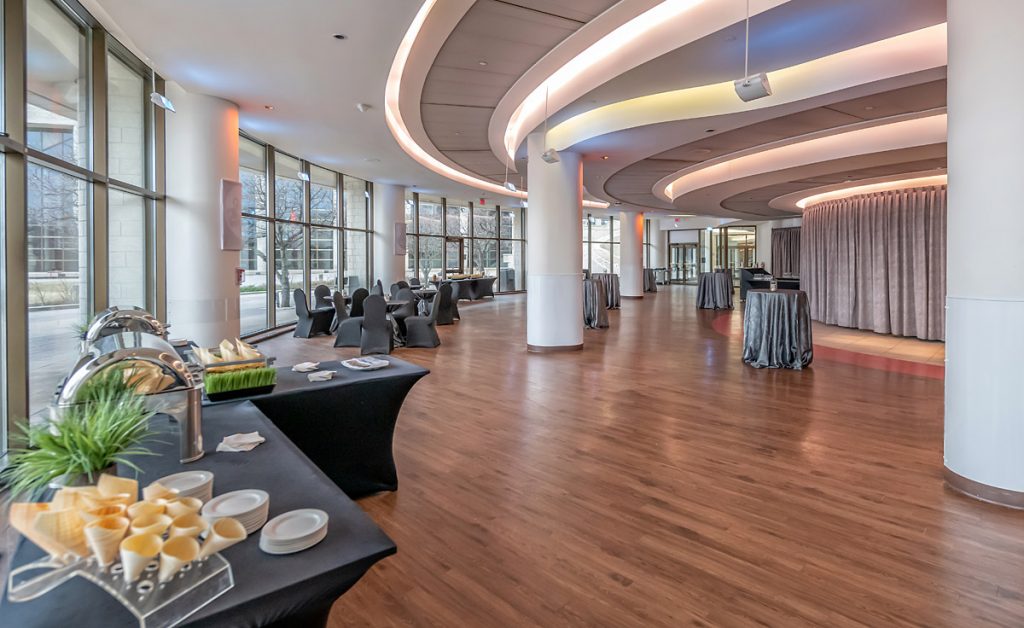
[{"x": 155, "y": 604}]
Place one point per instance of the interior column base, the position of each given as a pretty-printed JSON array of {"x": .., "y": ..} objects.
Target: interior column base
[
  {"x": 554, "y": 349},
  {"x": 984, "y": 492}
]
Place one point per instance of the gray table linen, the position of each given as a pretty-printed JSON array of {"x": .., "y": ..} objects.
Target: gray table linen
[
  {"x": 714, "y": 291},
  {"x": 595, "y": 309},
  {"x": 777, "y": 329},
  {"x": 611, "y": 288}
]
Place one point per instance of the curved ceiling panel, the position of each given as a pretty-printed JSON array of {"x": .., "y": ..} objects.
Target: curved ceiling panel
[{"x": 860, "y": 182}]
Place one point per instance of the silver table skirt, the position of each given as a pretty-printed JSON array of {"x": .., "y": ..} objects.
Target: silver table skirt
[
  {"x": 777, "y": 329},
  {"x": 595, "y": 309},
  {"x": 611, "y": 288},
  {"x": 650, "y": 280},
  {"x": 714, "y": 291}
]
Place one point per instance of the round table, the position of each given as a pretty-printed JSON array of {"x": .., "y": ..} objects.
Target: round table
[
  {"x": 714, "y": 291},
  {"x": 777, "y": 329}
]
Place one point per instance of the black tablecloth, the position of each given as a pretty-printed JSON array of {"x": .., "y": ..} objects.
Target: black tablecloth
[
  {"x": 611, "y": 288},
  {"x": 293, "y": 590},
  {"x": 473, "y": 288},
  {"x": 777, "y": 329},
  {"x": 714, "y": 291},
  {"x": 344, "y": 425},
  {"x": 595, "y": 305}
]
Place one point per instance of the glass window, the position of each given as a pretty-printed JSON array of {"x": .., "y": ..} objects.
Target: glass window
[
  {"x": 510, "y": 276},
  {"x": 356, "y": 271},
  {"x": 600, "y": 257},
  {"x": 252, "y": 172},
  {"x": 357, "y": 202},
  {"x": 57, "y": 81},
  {"x": 512, "y": 223},
  {"x": 287, "y": 188},
  {"x": 431, "y": 219},
  {"x": 58, "y": 277},
  {"x": 126, "y": 249},
  {"x": 410, "y": 213},
  {"x": 126, "y": 123},
  {"x": 410, "y": 257},
  {"x": 289, "y": 267},
  {"x": 485, "y": 222},
  {"x": 456, "y": 219},
  {"x": 323, "y": 196},
  {"x": 430, "y": 258},
  {"x": 485, "y": 257},
  {"x": 253, "y": 297},
  {"x": 323, "y": 257}
]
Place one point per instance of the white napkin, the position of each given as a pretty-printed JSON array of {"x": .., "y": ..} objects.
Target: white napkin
[
  {"x": 321, "y": 376},
  {"x": 240, "y": 442},
  {"x": 306, "y": 367}
]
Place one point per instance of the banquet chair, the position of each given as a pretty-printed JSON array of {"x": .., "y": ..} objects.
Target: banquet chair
[
  {"x": 456, "y": 295},
  {"x": 340, "y": 311},
  {"x": 421, "y": 331},
  {"x": 405, "y": 311},
  {"x": 414, "y": 282},
  {"x": 443, "y": 304},
  {"x": 394, "y": 290},
  {"x": 310, "y": 323},
  {"x": 378, "y": 289},
  {"x": 403, "y": 283},
  {"x": 320, "y": 300},
  {"x": 357, "y": 301},
  {"x": 377, "y": 336}
]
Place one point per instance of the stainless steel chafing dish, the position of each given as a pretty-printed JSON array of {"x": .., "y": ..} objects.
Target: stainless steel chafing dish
[
  {"x": 115, "y": 320},
  {"x": 164, "y": 395}
]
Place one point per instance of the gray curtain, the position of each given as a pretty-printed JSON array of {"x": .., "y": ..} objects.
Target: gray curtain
[
  {"x": 878, "y": 262},
  {"x": 786, "y": 252}
]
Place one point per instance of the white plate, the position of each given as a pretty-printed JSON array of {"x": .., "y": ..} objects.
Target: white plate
[
  {"x": 293, "y": 526},
  {"x": 187, "y": 481},
  {"x": 239, "y": 504},
  {"x": 297, "y": 547}
]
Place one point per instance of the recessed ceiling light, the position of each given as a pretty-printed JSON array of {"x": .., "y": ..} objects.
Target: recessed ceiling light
[
  {"x": 869, "y": 108},
  {"x": 372, "y": 160},
  {"x": 709, "y": 130},
  {"x": 362, "y": 107},
  {"x": 701, "y": 151},
  {"x": 482, "y": 63},
  {"x": 604, "y": 156},
  {"x": 339, "y": 36},
  {"x": 458, "y": 132},
  {"x": 268, "y": 107}
]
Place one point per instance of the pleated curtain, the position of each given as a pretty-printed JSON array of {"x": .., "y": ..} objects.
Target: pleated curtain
[
  {"x": 878, "y": 262},
  {"x": 786, "y": 252}
]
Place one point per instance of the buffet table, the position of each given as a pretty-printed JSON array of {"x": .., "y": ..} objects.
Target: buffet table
[
  {"x": 714, "y": 291},
  {"x": 471, "y": 289},
  {"x": 777, "y": 329},
  {"x": 345, "y": 425},
  {"x": 289, "y": 590}
]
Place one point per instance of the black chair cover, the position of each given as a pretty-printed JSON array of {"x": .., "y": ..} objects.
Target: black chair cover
[
  {"x": 377, "y": 335},
  {"x": 310, "y": 323},
  {"x": 378, "y": 289},
  {"x": 421, "y": 331},
  {"x": 320, "y": 300},
  {"x": 405, "y": 311},
  {"x": 357, "y": 302}
]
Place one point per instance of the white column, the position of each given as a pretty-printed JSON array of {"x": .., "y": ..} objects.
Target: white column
[
  {"x": 202, "y": 149},
  {"x": 984, "y": 439},
  {"x": 554, "y": 232},
  {"x": 659, "y": 245},
  {"x": 388, "y": 212},
  {"x": 631, "y": 255}
]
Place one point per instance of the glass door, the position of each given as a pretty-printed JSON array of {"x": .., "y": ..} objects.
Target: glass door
[
  {"x": 454, "y": 258},
  {"x": 683, "y": 263},
  {"x": 690, "y": 263}
]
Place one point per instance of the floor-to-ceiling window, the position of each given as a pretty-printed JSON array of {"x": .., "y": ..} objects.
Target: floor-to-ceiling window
[
  {"x": 316, "y": 234},
  {"x": 600, "y": 243},
  {"x": 448, "y": 237},
  {"x": 81, "y": 167}
]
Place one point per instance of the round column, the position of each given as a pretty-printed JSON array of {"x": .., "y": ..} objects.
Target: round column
[
  {"x": 388, "y": 215},
  {"x": 631, "y": 255},
  {"x": 984, "y": 430},
  {"x": 202, "y": 149},
  {"x": 554, "y": 258}
]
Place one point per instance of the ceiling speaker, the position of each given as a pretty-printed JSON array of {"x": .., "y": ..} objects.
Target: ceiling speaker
[{"x": 753, "y": 87}]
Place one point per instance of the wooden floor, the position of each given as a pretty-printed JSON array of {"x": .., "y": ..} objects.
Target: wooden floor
[{"x": 655, "y": 480}]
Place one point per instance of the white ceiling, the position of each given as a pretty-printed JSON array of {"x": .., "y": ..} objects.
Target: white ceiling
[{"x": 283, "y": 54}]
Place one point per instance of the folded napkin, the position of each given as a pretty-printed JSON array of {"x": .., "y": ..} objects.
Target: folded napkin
[
  {"x": 240, "y": 442},
  {"x": 321, "y": 376},
  {"x": 306, "y": 367}
]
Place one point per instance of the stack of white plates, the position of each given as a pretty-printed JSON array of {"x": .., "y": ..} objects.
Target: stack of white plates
[
  {"x": 198, "y": 484},
  {"x": 250, "y": 506},
  {"x": 294, "y": 531}
]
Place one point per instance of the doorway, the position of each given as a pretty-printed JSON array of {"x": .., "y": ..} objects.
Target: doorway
[
  {"x": 683, "y": 263},
  {"x": 454, "y": 256}
]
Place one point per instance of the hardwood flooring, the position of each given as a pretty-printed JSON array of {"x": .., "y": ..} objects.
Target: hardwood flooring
[{"x": 653, "y": 479}]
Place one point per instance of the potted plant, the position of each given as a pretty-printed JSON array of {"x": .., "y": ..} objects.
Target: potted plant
[{"x": 103, "y": 429}]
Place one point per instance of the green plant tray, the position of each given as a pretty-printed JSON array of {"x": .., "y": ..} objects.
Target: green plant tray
[{"x": 228, "y": 395}]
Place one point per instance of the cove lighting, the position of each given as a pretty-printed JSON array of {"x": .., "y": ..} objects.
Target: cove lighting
[
  {"x": 393, "y": 117},
  {"x": 871, "y": 188}
]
